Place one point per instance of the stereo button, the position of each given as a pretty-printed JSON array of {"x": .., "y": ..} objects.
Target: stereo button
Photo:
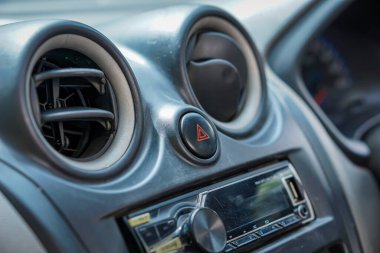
[
  {"x": 290, "y": 221},
  {"x": 169, "y": 247},
  {"x": 166, "y": 228},
  {"x": 268, "y": 230},
  {"x": 228, "y": 248},
  {"x": 245, "y": 240},
  {"x": 139, "y": 220},
  {"x": 149, "y": 235}
]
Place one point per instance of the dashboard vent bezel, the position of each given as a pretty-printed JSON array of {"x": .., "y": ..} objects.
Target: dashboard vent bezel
[
  {"x": 252, "y": 110},
  {"x": 105, "y": 55}
]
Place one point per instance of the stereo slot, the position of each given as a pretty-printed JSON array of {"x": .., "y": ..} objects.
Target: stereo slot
[
  {"x": 174, "y": 223},
  {"x": 294, "y": 191}
]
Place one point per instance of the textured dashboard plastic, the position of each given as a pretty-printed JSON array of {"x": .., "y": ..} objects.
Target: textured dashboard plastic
[
  {"x": 288, "y": 47},
  {"x": 14, "y": 230},
  {"x": 76, "y": 214}
]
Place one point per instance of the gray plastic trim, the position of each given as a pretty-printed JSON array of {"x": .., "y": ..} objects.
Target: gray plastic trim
[
  {"x": 15, "y": 234},
  {"x": 359, "y": 186}
]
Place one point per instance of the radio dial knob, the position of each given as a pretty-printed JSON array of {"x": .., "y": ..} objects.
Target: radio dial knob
[{"x": 207, "y": 230}]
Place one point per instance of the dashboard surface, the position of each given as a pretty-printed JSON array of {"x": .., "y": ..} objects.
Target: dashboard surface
[{"x": 121, "y": 74}]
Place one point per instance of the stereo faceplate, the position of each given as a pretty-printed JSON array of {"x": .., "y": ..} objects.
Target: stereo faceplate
[{"x": 252, "y": 208}]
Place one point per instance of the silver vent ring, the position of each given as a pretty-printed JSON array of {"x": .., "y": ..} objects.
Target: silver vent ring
[{"x": 120, "y": 85}]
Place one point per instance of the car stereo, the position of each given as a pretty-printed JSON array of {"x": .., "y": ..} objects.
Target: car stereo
[{"x": 233, "y": 215}]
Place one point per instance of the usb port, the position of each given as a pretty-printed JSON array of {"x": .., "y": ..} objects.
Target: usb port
[{"x": 294, "y": 190}]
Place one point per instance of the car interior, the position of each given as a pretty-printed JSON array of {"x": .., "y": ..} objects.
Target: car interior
[{"x": 166, "y": 126}]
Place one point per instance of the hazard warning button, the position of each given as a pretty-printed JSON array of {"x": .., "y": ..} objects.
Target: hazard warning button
[{"x": 198, "y": 135}]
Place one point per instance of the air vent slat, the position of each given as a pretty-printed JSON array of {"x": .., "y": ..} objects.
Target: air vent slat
[
  {"x": 72, "y": 72},
  {"x": 68, "y": 72},
  {"x": 215, "y": 45},
  {"x": 76, "y": 113},
  {"x": 95, "y": 77}
]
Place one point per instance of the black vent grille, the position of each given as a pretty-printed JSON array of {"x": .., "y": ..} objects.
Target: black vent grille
[
  {"x": 217, "y": 71},
  {"x": 74, "y": 104}
]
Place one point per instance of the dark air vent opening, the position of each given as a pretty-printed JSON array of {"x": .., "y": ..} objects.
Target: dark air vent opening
[
  {"x": 74, "y": 104},
  {"x": 217, "y": 71}
]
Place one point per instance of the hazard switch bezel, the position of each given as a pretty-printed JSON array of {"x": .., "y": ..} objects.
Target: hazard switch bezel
[{"x": 198, "y": 135}]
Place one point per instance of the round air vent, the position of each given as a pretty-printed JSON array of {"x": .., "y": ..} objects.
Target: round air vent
[
  {"x": 224, "y": 75},
  {"x": 78, "y": 113},
  {"x": 82, "y": 103},
  {"x": 217, "y": 71}
]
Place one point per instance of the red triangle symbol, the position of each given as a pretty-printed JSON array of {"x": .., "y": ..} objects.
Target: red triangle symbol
[{"x": 201, "y": 134}]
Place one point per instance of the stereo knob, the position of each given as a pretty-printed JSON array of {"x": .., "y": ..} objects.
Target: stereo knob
[{"x": 207, "y": 230}]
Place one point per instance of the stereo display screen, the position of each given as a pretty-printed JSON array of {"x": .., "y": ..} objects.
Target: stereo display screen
[{"x": 251, "y": 203}]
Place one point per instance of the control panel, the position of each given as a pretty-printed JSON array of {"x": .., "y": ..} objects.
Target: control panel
[{"x": 230, "y": 216}]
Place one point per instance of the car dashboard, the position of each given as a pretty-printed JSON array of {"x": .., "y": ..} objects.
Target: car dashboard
[{"x": 207, "y": 126}]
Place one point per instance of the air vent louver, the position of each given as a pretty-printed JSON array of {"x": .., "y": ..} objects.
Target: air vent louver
[
  {"x": 217, "y": 71},
  {"x": 76, "y": 108}
]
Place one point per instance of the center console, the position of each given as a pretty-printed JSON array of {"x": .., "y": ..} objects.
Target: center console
[{"x": 232, "y": 215}]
